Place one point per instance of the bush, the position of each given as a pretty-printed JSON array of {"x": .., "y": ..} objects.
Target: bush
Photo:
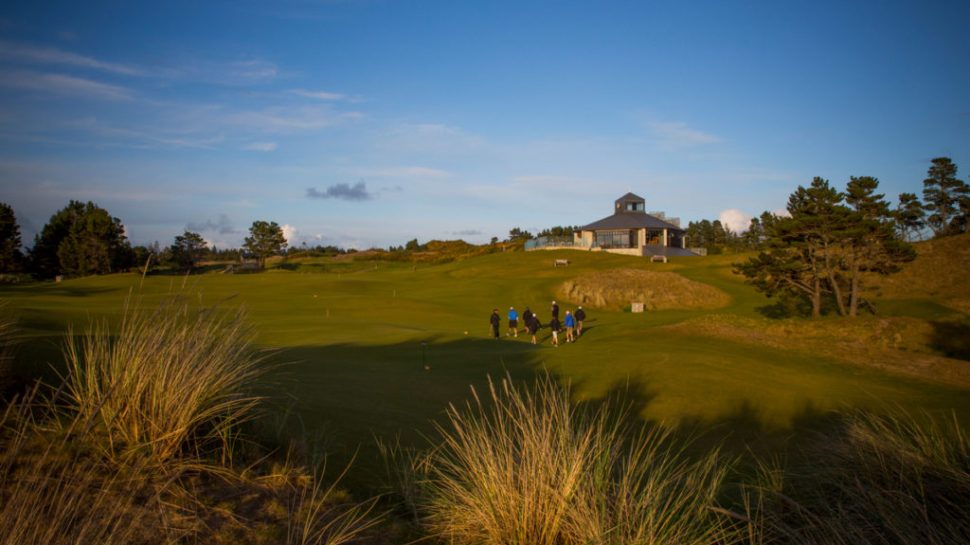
[
  {"x": 527, "y": 467},
  {"x": 171, "y": 382}
]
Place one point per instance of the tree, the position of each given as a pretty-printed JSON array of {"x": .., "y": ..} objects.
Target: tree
[
  {"x": 821, "y": 250},
  {"x": 872, "y": 242},
  {"x": 909, "y": 215},
  {"x": 942, "y": 193},
  {"x": 95, "y": 244},
  {"x": 81, "y": 239},
  {"x": 265, "y": 239},
  {"x": 188, "y": 250},
  {"x": 11, "y": 258},
  {"x": 516, "y": 234}
]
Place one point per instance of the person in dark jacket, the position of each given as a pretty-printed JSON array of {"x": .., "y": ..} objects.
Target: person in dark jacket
[
  {"x": 580, "y": 316},
  {"x": 555, "y": 310},
  {"x": 533, "y": 326},
  {"x": 526, "y": 317},
  {"x": 555, "y": 326},
  {"x": 495, "y": 321}
]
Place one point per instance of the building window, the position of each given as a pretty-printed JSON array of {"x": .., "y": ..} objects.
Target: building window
[
  {"x": 634, "y": 207},
  {"x": 613, "y": 239}
]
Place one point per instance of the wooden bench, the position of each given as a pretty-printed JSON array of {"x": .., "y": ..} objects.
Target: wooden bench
[
  {"x": 655, "y": 258},
  {"x": 561, "y": 263}
]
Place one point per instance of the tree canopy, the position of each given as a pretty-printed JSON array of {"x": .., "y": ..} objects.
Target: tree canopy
[
  {"x": 81, "y": 239},
  {"x": 265, "y": 239},
  {"x": 818, "y": 254},
  {"x": 11, "y": 258},
  {"x": 189, "y": 248},
  {"x": 946, "y": 198}
]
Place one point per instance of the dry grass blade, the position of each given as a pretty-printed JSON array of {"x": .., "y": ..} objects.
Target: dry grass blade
[
  {"x": 168, "y": 383},
  {"x": 532, "y": 469}
]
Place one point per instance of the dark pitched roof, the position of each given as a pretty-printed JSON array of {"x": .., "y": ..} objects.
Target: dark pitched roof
[
  {"x": 631, "y": 221},
  {"x": 630, "y": 197}
]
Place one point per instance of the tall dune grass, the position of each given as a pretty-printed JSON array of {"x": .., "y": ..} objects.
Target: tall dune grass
[
  {"x": 525, "y": 466},
  {"x": 52, "y": 492},
  {"x": 889, "y": 479},
  {"x": 171, "y": 381}
]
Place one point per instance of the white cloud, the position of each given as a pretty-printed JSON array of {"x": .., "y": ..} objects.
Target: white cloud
[
  {"x": 261, "y": 146},
  {"x": 290, "y": 233},
  {"x": 430, "y": 138},
  {"x": 676, "y": 134},
  {"x": 319, "y": 95},
  {"x": 64, "y": 85},
  {"x": 278, "y": 119},
  {"x": 735, "y": 220},
  {"x": 49, "y": 55}
]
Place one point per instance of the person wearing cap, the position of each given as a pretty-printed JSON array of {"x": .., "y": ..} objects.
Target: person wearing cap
[
  {"x": 570, "y": 324},
  {"x": 495, "y": 321},
  {"x": 580, "y": 316},
  {"x": 555, "y": 310},
  {"x": 555, "y": 326},
  {"x": 513, "y": 322},
  {"x": 533, "y": 326}
]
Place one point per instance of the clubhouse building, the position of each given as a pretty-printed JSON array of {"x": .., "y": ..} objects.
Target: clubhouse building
[{"x": 630, "y": 230}]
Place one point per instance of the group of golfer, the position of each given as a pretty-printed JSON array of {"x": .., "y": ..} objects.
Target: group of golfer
[{"x": 572, "y": 323}]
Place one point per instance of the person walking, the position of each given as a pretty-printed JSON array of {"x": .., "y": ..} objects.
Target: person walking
[
  {"x": 570, "y": 323},
  {"x": 555, "y": 326},
  {"x": 555, "y": 310},
  {"x": 495, "y": 321},
  {"x": 513, "y": 322},
  {"x": 580, "y": 316},
  {"x": 533, "y": 326},
  {"x": 526, "y": 317}
]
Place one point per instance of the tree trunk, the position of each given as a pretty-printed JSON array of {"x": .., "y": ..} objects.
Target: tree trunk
[{"x": 817, "y": 298}]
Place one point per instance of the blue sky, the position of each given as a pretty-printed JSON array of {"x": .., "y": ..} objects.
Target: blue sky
[{"x": 362, "y": 123}]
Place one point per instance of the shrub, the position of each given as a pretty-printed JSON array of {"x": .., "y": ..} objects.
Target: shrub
[
  {"x": 528, "y": 467},
  {"x": 890, "y": 479},
  {"x": 171, "y": 382}
]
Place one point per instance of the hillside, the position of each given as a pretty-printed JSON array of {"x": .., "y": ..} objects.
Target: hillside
[{"x": 939, "y": 273}]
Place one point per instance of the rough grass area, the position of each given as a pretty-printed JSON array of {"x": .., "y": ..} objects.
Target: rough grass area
[
  {"x": 895, "y": 344},
  {"x": 938, "y": 274},
  {"x": 616, "y": 289}
]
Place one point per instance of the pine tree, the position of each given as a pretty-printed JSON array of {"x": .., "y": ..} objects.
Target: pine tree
[
  {"x": 943, "y": 194},
  {"x": 11, "y": 258}
]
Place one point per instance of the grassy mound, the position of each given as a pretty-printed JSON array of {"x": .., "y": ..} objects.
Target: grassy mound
[
  {"x": 938, "y": 273},
  {"x": 898, "y": 345},
  {"x": 616, "y": 289}
]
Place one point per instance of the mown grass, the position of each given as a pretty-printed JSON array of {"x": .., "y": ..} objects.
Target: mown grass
[{"x": 354, "y": 338}]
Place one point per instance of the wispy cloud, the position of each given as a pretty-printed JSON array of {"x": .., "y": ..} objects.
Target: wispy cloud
[
  {"x": 677, "y": 134},
  {"x": 467, "y": 233},
  {"x": 24, "y": 53},
  {"x": 254, "y": 70},
  {"x": 223, "y": 226},
  {"x": 319, "y": 95},
  {"x": 347, "y": 192},
  {"x": 61, "y": 84},
  {"x": 430, "y": 138},
  {"x": 278, "y": 119},
  {"x": 406, "y": 172},
  {"x": 261, "y": 146}
]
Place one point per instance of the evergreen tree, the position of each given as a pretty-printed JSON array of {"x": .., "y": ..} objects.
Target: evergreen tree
[
  {"x": 909, "y": 215},
  {"x": 265, "y": 239},
  {"x": 11, "y": 258},
  {"x": 189, "y": 248},
  {"x": 81, "y": 239},
  {"x": 943, "y": 194},
  {"x": 95, "y": 244}
]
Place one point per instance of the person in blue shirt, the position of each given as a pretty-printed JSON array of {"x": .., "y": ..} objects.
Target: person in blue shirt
[
  {"x": 570, "y": 324},
  {"x": 513, "y": 322}
]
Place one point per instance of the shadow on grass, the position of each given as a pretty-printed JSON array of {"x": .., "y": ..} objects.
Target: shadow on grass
[{"x": 952, "y": 338}]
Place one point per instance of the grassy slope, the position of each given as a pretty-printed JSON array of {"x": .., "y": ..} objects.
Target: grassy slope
[{"x": 350, "y": 335}]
